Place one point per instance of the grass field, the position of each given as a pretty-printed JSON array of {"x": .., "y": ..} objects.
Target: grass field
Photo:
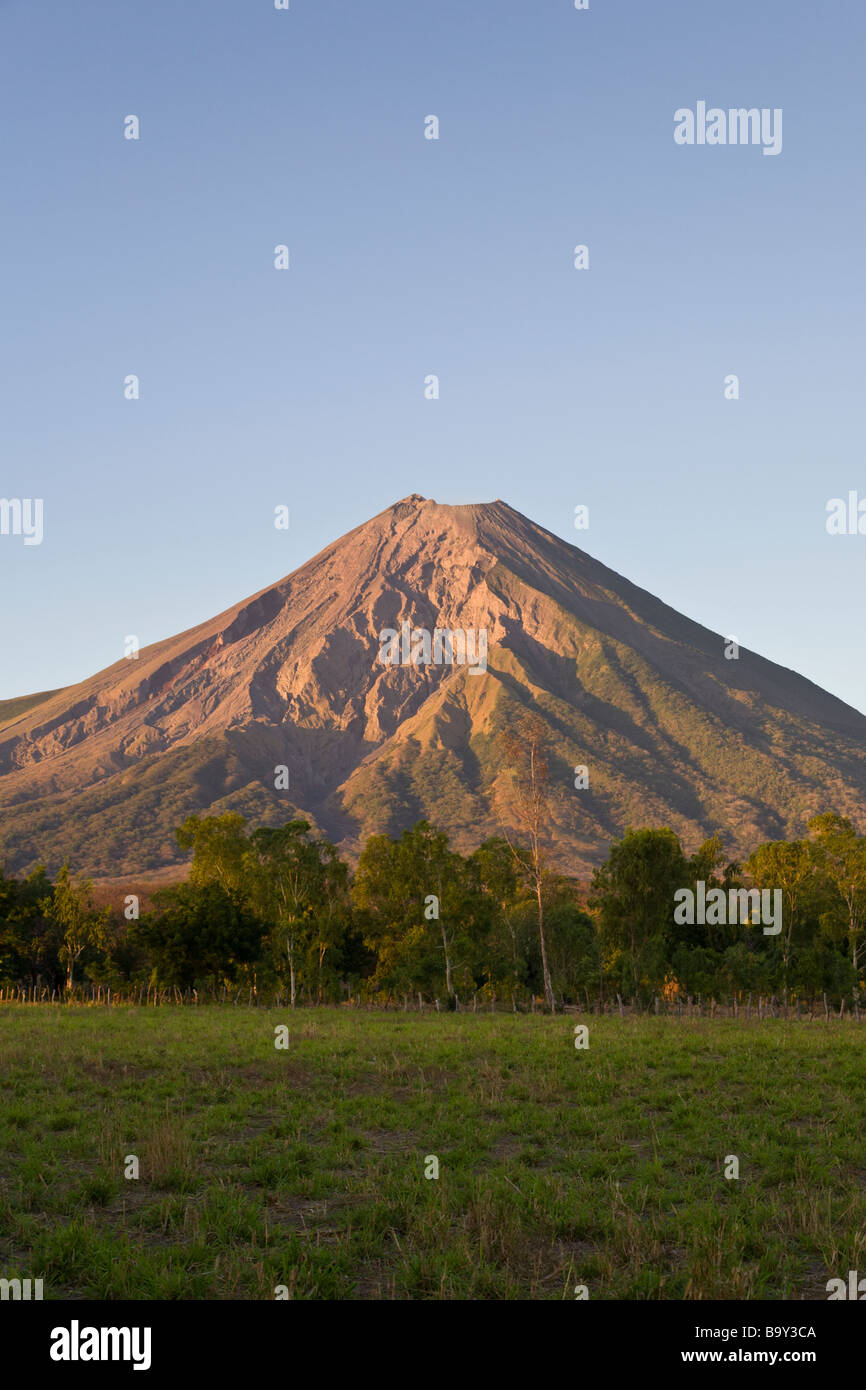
[{"x": 305, "y": 1167}]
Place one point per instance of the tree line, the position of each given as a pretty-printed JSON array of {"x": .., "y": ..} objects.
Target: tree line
[{"x": 276, "y": 911}]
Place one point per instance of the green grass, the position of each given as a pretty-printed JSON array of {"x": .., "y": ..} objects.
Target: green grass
[{"x": 305, "y": 1167}]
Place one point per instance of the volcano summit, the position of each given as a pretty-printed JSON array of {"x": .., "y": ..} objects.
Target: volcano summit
[{"x": 670, "y": 730}]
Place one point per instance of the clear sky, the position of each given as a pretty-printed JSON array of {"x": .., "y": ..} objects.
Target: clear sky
[{"x": 409, "y": 256}]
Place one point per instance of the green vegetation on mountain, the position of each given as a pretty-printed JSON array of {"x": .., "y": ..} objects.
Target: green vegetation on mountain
[{"x": 13, "y": 709}]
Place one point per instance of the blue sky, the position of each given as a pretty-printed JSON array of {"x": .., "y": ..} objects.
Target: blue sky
[{"x": 409, "y": 257}]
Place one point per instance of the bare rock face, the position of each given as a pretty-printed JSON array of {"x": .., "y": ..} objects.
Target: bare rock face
[{"x": 671, "y": 731}]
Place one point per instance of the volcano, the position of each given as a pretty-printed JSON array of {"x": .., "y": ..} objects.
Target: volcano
[{"x": 283, "y": 706}]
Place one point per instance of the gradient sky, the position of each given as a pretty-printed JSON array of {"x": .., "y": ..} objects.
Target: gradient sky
[{"x": 409, "y": 257}]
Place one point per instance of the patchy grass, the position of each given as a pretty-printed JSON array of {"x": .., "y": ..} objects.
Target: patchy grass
[{"x": 305, "y": 1167}]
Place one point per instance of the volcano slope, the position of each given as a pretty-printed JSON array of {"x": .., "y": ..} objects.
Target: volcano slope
[{"x": 671, "y": 731}]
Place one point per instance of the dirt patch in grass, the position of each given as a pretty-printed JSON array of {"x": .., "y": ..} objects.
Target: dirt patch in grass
[
  {"x": 506, "y": 1149},
  {"x": 367, "y": 1086},
  {"x": 388, "y": 1141},
  {"x": 376, "y": 1281},
  {"x": 113, "y": 1067},
  {"x": 813, "y": 1286},
  {"x": 305, "y": 1213}
]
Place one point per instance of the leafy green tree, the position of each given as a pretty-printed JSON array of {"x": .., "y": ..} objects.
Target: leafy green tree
[
  {"x": 819, "y": 966},
  {"x": 299, "y": 883},
  {"x": 633, "y": 894},
  {"x": 696, "y": 968},
  {"x": 575, "y": 957},
  {"x": 707, "y": 865},
  {"x": 503, "y": 960},
  {"x": 122, "y": 958},
  {"x": 30, "y": 938},
  {"x": 220, "y": 849},
  {"x": 81, "y": 924},
  {"x": 197, "y": 932},
  {"x": 788, "y": 866},
  {"x": 331, "y": 917},
  {"x": 839, "y": 858},
  {"x": 423, "y": 911},
  {"x": 746, "y": 968}
]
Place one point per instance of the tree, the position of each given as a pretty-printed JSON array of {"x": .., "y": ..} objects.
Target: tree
[
  {"x": 633, "y": 893},
  {"x": 839, "y": 856},
  {"x": 530, "y": 775},
  {"x": 704, "y": 866},
  {"x": 220, "y": 849},
  {"x": 790, "y": 867},
  {"x": 30, "y": 937},
  {"x": 199, "y": 931},
  {"x": 301, "y": 885},
  {"x": 331, "y": 908},
  {"x": 435, "y": 872},
  {"x": 495, "y": 865},
  {"x": 572, "y": 941},
  {"x": 81, "y": 925},
  {"x": 422, "y": 909}
]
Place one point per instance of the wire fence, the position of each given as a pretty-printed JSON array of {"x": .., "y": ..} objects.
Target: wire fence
[{"x": 739, "y": 1006}]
